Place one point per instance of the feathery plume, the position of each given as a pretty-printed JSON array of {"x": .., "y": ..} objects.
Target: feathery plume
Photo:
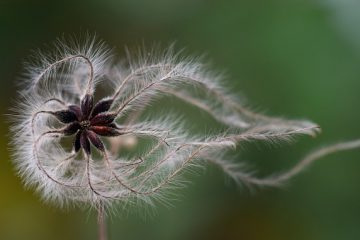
[{"x": 68, "y": 141}]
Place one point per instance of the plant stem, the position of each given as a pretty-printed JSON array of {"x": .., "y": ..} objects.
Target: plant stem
[{"x": 101, "y": 223}]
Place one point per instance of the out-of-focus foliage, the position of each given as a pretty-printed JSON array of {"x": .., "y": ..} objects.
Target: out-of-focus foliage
[{"x": 294, "y": 58}]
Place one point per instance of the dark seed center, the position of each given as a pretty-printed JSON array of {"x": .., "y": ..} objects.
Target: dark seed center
[{"x": 85, "y": 124}]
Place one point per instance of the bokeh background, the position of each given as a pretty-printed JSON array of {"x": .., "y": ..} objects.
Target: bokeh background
[{"x": 293, "y": 58}]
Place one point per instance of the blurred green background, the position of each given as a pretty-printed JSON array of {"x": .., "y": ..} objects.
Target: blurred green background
[{"x": 293, "y": 58}]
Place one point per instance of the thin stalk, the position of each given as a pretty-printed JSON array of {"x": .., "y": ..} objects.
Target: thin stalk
[{"x": 101, "y": 223}]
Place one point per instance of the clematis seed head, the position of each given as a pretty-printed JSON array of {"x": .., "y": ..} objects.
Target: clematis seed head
[{"x": 59, "y": 103}]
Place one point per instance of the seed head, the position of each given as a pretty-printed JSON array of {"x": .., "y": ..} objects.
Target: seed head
[{"x": 64, "y": 133}]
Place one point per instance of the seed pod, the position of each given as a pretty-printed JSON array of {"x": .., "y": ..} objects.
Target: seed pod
[
  {"x": 65, "y": 116},
  {"x": 71, "y": 128},
  {"x": 105, "y": 131},
  {"x": 101, "y": 106},
  {"x": 76, "y": 110},
  {"x": 84, "y": 142},
  {"x": 87, "y": 104},
  {"x": 77, "y": 144},
  {"x": 103, "y": 119},
  {"x": 95, "y": 140}
]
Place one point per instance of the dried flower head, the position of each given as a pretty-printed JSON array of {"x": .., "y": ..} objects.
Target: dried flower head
[{"x": 68, "y": 140}]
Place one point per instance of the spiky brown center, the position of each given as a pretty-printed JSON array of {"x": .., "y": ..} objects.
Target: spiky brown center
[{"x": 89, "y": 122}]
